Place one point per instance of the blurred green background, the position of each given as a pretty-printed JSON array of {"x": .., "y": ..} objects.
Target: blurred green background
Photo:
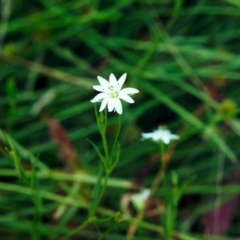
[{"x": 183, "y": 56}]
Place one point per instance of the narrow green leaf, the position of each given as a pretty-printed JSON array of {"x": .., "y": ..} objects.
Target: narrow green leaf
[
  {"x": 163, "y": 98},
  {"x": 116, "y": 146},
  {"x": 95, "y": 194},
  {"x": 21, "y": 151},
  {"x": 219, "y": 141},
  {"x": 17, "y": 163},
  {"x": 233, "y": 2},
  {"x": 98, "y": 152},
  {"x": 191, "y": 119},
  {"x": 36, "y": 189},
  {"x": 116, "y": 156}
]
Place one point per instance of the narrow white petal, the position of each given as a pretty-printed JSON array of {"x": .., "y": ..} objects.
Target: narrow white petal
[
  {"x": 98, "y": 88},
  {"x": 139, "y": 199},
  {"x": 166, "y": 139},
  {"x": 173, "y": 136},
  {"x": 145, "y": 194},
  {"x": 103, "y": 104},
  {"x": 129, "y": 91},
  {"x": 121, "y": 81},
  {"x": 111, "y": 104},
  {"x": 99, "y": 97},
  {"x": 118, "y": 106},
  {"x": 156, "y": 138},
  {"x": 161, "y": 134},
  {"x": 147, "y": 136},
  {"x": 125, "y": 97},
  {"x": 112, "y": 79},
  {"x": 104, "y": 83}
]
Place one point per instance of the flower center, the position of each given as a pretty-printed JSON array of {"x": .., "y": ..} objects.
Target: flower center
[
  {"x": 114, "y": 94},
  {"x": 111, "y": 88}
]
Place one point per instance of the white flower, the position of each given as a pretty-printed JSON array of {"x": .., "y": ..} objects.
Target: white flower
[
  {"x": 161, "y": 134},
  {"x": 139, "y": 199},
  {"x": 111, "y": 92}
]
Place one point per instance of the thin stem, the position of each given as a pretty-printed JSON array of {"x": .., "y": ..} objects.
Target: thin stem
[
  {"x": 107, "y": 231},
  {"x": 160, "y": 174},
  {"x": 134, "y": 225},
  {"x": 118, "y": 131},
  {"x": 105, "y": 120},
  {"x": 105, "y": 147},
  {"x": 104, "y": 184},
  {"x": 51, "y": 72},
  {"x": 76, "y": 230},
  {"x": 72, "y": 177},
  {"x": 5, "y": 12},
  {"x": 102, "y": 124},
  {"x": 219, "y": 196},
  {"x": 167, "y": 216},
  {"x": 113, "y": 164}
]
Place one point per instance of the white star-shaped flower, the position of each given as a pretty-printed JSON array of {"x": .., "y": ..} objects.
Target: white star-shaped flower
[
  {"x": 161, "y": 134},
  {"x": 139, "y": 199},
  {"x": 111, "y": 92}
]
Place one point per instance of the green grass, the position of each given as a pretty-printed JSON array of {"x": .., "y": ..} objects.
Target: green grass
[{"x": 183, "y": 56}]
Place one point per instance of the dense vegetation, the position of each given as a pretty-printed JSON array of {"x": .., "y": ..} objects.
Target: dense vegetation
[{"x": 183, "y": 56}]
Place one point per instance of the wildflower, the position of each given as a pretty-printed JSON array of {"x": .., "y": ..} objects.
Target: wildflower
[
  {"x": 111, "y": 92},
  {"x": 161, "y": 134},
  {"x": 139, "y": 199}
]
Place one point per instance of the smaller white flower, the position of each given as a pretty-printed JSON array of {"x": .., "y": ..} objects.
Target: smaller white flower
[
  {"x": 139, "y": 199},
  {"x": 161, "y": 134},
  {"x": 111, "y": 92}
]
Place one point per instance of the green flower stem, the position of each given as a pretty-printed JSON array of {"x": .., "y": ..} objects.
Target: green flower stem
[
  {"x": 98, "y": 192},
  {"x": 105, "y": 147},
  {"x": 107, "y": 159},
  {"x": 168, "y": 217},
  {"x": 76, "y": 230},
  {"x": 135, "y": 224},
  {"x": 162, "y": 150},
  {"x": 110, "y": 164},
  {"x": 161, "y": 172},
  {"x": 102, "y": 125},
  {"x": 104, "y": 186},
  {"x": 104, "y": 235},
  {"x": 79, "y": 177},
  {"x": 115, "y": 148},
  {"x": 118, "y": 132}
]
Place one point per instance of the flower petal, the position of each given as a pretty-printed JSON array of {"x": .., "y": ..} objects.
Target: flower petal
[
  {"x": 129, "y": 91},
  {"x": 166, "y": 139},
  {"x": 98, "y": 88},
  {"x": 147, "y": 135},
  {"x": 121, "y": 81},
  {"x": 139, "y": 199},
  {"x": 161, "y": 134},
  {"x": 99, "y": 97},
  {"x": 103, "y": 104},
  {"x": 118, "y": 106},
  {"x": 125, "y": 97},
  {"x": 111, "y": 104},
  {"x": 104, "y": 83},
  {"x": 112, "y": 79}
]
